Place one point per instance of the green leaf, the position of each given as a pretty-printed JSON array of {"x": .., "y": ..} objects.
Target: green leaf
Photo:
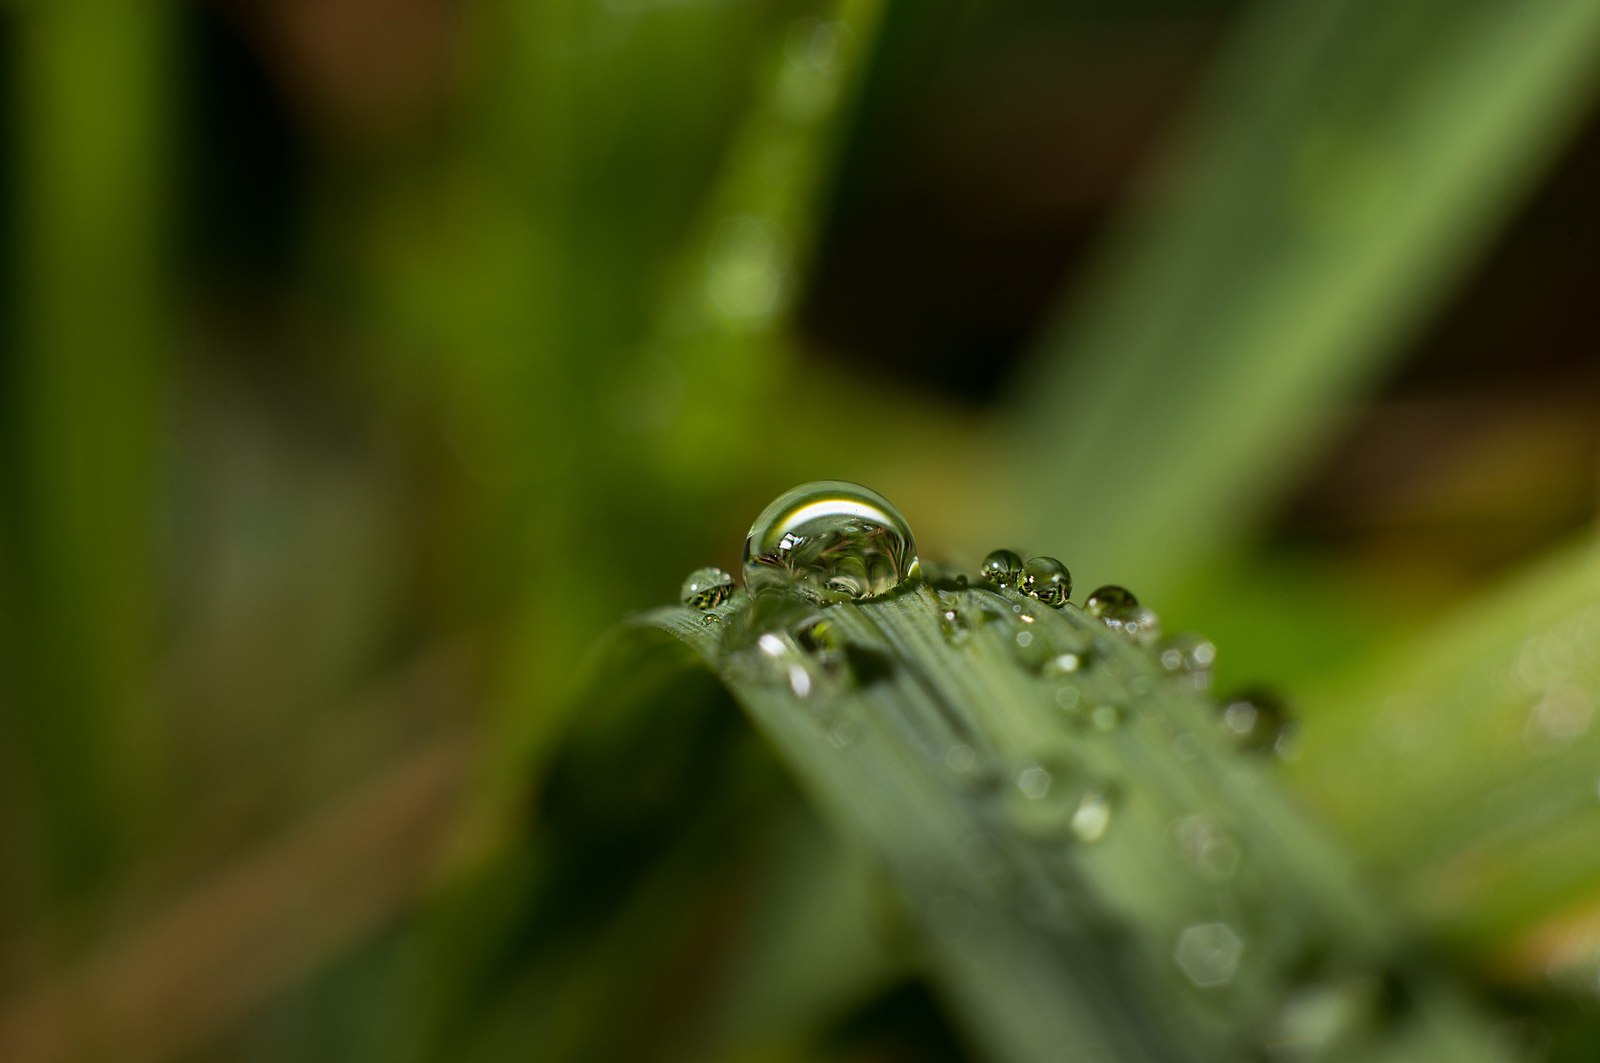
[{"x": 1094, "y": 868}]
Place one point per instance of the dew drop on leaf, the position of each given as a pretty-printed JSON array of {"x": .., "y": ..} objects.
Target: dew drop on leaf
[
  {"x": 1046, "y": 579},
  {"x": 1256, "y": 721},
  {"x": 1208, "y": 954},
  {"x": 954, "y": 626},
  {"x": 1092, "y": 816},
  {"x": 1002, "y": 568},
  {"x": 706, "y": 588},
  {"x": 1141, "y": 624},
  {"x": 830, "y": 541},
  {"x": 1109, "y": 601},
  {"x": 1191, "y": 656}
]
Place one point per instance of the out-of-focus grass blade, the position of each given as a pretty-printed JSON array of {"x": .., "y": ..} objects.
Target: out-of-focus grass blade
[
  {"x": 1095, "y": 870},
  {"x": 1344, "y": 164},
  {"x": 1467, "y": 762},
  {"x": 737, "y": 275},
  {"x": 89, "y": 361}
]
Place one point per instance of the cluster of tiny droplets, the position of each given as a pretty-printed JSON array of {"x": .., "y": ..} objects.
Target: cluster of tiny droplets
[
  {"x": 863, "y": 548},
  {"x": 1256, "y": 721}
]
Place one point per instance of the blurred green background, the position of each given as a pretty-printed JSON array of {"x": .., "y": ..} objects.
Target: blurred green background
[{"x": 363, "y": 362}]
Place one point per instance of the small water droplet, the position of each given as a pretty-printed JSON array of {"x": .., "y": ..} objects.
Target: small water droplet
[
  {"x": 746, "y": 269},
  {"x": 1024, "y": 639},
  {"x": 969, "y": 768},
  {"x": 1208, "y": 954},
  {"x": 1046, "y": 579},
  {"x": 1141, "y": 624},
  {"x": 843, "y": 734},
  {"x": 1107, "y": 717},
  {"x": 1002, "y": 568},
  {"x": 1068, "y": 698},
  {"x": 1191, "y": 656},
  {"x": 954, "y": 626},
  {"x": 1256, "y": 721},
  {"x": 788, "y": 658},
  {"x": 1041, "y": 801},
  {"x": 1092, "y": 816},
  {"x": 1110, "y": 599},
  {"x": 1562, "y": 715},
  {"x": 830, "y": 541},
  {"x": 1204, "y": 845},
  {"x": 1034, "y": 782},
  {"x": 706, "y": 588},
  {"x": 1333, "y": 1018},
  {"x": 1064, "y": 663}
]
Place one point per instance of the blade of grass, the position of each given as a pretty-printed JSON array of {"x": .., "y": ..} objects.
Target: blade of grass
[
  {"x": 91, "y": 351},
  {"x": 1095, "y": 870},
  {"x": 1483, "y": 732},
  {"x": 1342, "y": 167}
]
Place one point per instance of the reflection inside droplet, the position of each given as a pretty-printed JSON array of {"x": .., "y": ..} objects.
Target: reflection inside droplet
[{"x": 830, "y": 541}]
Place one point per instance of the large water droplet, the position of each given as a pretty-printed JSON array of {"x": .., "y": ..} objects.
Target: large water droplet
[
  {"x": 1046, "y": 579},
  {"x": 706, "y": 588},
  {"x": 830, "y": 541},
  {"x": 1002, "y": 568}
]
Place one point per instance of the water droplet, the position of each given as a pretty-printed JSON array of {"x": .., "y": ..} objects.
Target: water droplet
[
  {"x": 1068, "y": 698},
  {"x": 1024, "y": 639},
  {"x": 1109, "y": 600},
  {"x": 1561, "y": 716},
  {"x": 1042, "y": 802},
  {"x": 788, "y": 658},
  {"x": 945, "y": 582},
  {"x": 1107, "y": 717},
  {"x": 1191, "y": 656},
  {"x": 1002, "y": 568},
  {"x": 1256, "y": 721},
  {"x": 830, "y": 541},
  {"x": 746, "y": 270},
  {"x": 954, "y": 626},
  {"x": 1092, "y": 816},
  {"x": 1203, "y": 844},
  {"x": 1064, "y": 663},
  {"x": 969, "y": 768},
  {"x": 1333, "y": 1018},
  {"x": 843, "y": 734},
  {"x": 814, "y": 55},
  {"x": 1208, "y": 954},
  {"x": 706, "y": 588},
  {"x": 1140, "y": 624},
  {"x": 1046, "y": 579},
  {"x": 1034, "y": 782}
]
